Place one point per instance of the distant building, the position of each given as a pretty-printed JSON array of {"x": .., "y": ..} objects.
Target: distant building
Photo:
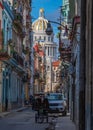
[
  {"x": 48, "y": 45},
  {"x": 56, "y": 76},
  {"x": 64, "y": 42}
]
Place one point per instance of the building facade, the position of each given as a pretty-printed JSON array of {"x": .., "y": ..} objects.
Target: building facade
[
  {"x": 56, "y": 76},
  {"x": 82, "y": 83},
  {"x": 74, "y": 36},
  {"x": 14, "y": 54},
  {"x": 65, "y": 10},
  {"x": 1, "y": 8},
  {"x": 87, "y": 61}
]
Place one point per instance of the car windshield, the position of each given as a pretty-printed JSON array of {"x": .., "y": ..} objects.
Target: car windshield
[{"x": 55, "y": 97}]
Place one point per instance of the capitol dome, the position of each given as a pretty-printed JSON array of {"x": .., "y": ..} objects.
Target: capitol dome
[{"x": 41, "y": 23}]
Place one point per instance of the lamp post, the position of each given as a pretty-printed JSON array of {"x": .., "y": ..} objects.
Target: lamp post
[
  {"x": 49, "y": 29},
  {"x": 58, "y": 24}
]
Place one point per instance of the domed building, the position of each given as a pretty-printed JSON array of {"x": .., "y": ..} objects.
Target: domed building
[
  {"x": 41, "y": 23},
  {"x": 44, "y": 42}
]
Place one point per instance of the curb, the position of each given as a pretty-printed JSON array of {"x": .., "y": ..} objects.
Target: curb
[{"x": 3, "y": 114}]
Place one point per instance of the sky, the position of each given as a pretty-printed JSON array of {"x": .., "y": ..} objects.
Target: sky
[{"x": 52, "y": 10}]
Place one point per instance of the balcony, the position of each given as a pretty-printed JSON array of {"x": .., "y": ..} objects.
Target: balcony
[
  {"x": 26, "y": 50},
  {"x": 36, "y": 75},
  {"x": 65, "y": 53},
  {"x": 41, "y": 80},
  {"x": 6, "y": 51},
  {"x": 23, "y": 33},
  {"x": 25, "y": 78},
  {"x": 18, "y": 58},
  {"x": 28, "y": 21},
  {"x": 28, "y": 73},
  {"x": 40, "y": 59},
  {"x": 18, "y": 19},
  {"x": 4, "y": 55}
]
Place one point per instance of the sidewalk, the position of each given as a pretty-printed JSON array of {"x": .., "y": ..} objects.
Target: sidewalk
[
  {"x": 64, "y": 123},
  {"x": 2, "y": 114}
]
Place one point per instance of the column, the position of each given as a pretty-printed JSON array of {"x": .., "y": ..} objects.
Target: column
[{"x": 52, "y": 50}]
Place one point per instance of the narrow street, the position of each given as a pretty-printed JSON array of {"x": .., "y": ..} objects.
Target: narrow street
[
  {"x": 46, "y": 64},
  {"x": 25, "y": 120}
]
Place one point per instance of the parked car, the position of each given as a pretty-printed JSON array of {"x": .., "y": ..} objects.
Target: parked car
[{"x": 57, "y": 104}]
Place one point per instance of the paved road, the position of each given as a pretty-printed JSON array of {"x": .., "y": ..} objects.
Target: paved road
[
  {"x": 25, "y": 120},
  {"x": 21, "y": 121},
  {"x": 64, "y": 123}
]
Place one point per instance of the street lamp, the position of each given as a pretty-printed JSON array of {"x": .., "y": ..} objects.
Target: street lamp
[
  {"x": 58, "y": 24},
  {"x": 49, "y": 29}
]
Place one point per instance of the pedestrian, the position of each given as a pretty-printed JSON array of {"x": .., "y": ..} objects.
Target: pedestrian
[
  {"x": 45, "y": 105},
  {"x": 39, "y": 105}
]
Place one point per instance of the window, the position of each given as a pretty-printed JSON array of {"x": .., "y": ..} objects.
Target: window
[
  {"x": 53, "y": 79},
  {"x": 40, "y": 38},
  {"x": 52, "y": 39},
  {"x": 48, "y": 67},
  {"x": 55, "y": 97},
  {"x": 48, "y": 51},
  {"x": 48, "y": 38},
  {"x": 44, "y": 38},
  {"x": 35, "y": 38},
  {"x": 51, "y": 51}
]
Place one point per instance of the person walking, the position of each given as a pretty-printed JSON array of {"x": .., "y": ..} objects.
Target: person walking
[{"x": 45, "y": 106}]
